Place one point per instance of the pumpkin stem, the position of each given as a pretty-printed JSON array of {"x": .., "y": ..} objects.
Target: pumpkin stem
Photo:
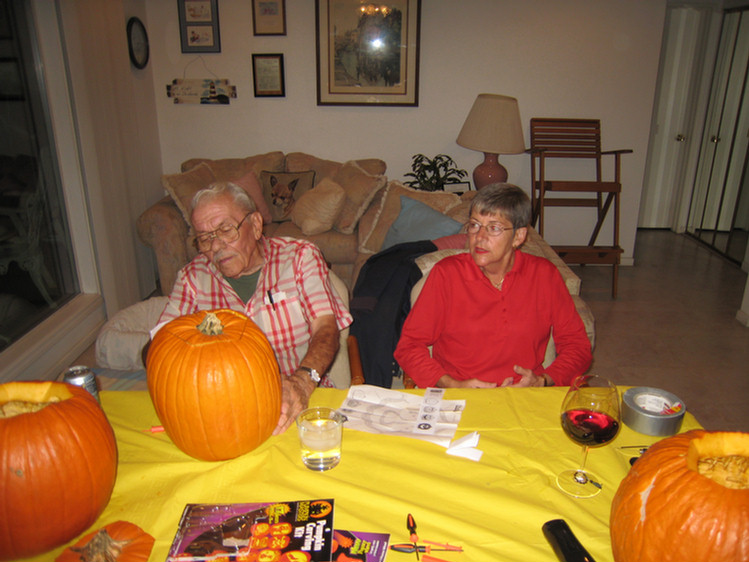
[
  {"x": 211, "y": 325},
  {"x": 101, "y": 547}
]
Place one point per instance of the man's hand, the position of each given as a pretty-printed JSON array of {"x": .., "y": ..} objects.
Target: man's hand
[
  {"x": 527, "y": 378},
  {"x": 296, "y": 391}
]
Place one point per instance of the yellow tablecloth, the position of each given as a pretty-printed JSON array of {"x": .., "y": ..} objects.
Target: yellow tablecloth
[{"x": 494, "y": 508}]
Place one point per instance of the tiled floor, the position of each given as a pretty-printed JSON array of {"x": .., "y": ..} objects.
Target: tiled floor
[{"x": 673, "y": 326}]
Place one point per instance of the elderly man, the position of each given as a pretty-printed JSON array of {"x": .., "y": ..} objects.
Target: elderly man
[{"x": 281, "y": 283}]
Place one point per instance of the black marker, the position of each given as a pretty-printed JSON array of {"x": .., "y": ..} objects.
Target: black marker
[{"x": 270, "y": 298}]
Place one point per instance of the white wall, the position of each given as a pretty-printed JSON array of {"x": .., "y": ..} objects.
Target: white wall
[{"x": 578, "y": 58}]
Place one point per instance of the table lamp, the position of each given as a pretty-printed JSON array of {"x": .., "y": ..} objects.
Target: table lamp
[{"x": 493, "y": 127}]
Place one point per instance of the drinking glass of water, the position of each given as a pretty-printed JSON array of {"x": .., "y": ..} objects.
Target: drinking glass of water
[{"x": 320, "y": 433}]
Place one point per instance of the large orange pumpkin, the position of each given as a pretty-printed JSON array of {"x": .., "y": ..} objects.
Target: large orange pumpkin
[
  {"x": 686, "y": 498},
  {"x": 215, "y": 384},
  {"x": 58, "y": 463}
]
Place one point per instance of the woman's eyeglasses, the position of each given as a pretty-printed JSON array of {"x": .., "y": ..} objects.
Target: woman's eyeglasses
[
  {"x": 492, "y": 229},
  {"x": 227, "y": 233}
]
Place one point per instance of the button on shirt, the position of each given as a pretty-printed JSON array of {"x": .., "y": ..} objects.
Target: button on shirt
[{"x": 293, "y": 289}]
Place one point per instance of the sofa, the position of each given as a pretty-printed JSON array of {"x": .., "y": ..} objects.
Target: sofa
[{"x": 348, "y": 209}]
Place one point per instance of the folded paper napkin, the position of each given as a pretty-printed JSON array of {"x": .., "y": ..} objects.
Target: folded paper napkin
[{"x": 430, "y": 418}]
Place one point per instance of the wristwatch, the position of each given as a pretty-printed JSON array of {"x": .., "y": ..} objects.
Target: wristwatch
[{"x": 313, "y": 374}]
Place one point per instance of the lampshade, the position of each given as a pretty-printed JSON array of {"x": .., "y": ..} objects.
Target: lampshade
[{"x": 493, "y": 126}]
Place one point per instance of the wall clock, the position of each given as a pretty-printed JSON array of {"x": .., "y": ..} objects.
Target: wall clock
[{"x": 137, "y": 42}]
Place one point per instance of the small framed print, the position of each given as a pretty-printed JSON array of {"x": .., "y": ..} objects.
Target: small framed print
[
  {"x": 269, "y": 17},
  {"x": 458, "y": 187},
  {"x": 198, "y": 26},
  {"x": 268, "y": 77}
]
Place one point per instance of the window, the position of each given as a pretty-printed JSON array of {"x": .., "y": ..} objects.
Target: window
[{"x": 37, "y": 273}]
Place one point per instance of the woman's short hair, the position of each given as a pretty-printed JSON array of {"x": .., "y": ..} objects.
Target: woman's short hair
[
  {"x": 504, "y": 199},
  {"x": 222, "y": 188}
]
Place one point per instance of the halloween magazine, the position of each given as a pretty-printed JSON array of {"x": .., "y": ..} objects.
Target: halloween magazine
[{"x": 296, "y": 531}]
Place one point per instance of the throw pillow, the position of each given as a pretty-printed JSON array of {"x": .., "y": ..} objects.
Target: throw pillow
[
  {"x": 360, "y": 187},
  {"x": 182, "y": 187},
  {"x": 251, "y": 185},
  {"x": 281, "y": 190},
  {"x": 417, "y": 221},
  {"x": 389, "y": 208},
  {"x": 317, "y": 210}
]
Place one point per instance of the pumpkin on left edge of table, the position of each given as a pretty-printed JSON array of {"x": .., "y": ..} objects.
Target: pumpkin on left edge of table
[
  {"x": 58, "y": 464},
  {"x": 214, "y": 383}
]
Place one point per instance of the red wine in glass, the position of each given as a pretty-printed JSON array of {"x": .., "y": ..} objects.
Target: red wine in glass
[
  {"x": 590, "y": 416},
  {"x": 588, "y": 427}
]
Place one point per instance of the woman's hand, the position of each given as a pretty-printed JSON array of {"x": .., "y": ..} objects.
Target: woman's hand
[{"x": 527, "y": 378}]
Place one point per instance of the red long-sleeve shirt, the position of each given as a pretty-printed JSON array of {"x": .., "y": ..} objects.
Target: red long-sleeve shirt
[{"x": 477, "y": 331}]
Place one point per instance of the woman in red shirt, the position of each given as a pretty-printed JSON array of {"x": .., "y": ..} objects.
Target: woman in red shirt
[{"x": 488, "y": 314}]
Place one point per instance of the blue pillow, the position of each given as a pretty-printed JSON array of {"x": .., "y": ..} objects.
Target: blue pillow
[{"x": 417, "y": 221}]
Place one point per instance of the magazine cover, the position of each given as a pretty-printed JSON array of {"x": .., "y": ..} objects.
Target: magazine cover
[
  {"x": 296, "y": 531},
  {"x": 361, "y": 547}
]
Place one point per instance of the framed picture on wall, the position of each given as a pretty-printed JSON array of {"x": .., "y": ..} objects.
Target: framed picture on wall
[
  {"x": 267, "y": 75},
  {"x": 198, "y": 26},
  {"x": 368, "y": 54},
  {"x": 269, "y": 17}
]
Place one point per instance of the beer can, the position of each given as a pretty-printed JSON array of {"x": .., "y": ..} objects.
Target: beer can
[{"x": 82, "y": 376}]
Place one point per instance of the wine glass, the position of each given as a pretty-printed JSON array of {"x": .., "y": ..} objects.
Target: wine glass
[{"x": 590, "y": 417}]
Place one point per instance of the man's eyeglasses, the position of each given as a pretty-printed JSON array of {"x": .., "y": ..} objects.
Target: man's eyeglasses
[
  {"x": 492, "y": 229},
  {"x": 227, "y": 233}
]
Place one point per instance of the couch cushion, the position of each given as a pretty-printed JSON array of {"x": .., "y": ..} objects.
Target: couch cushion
[
  {"x": 417, "y": 221},
  {"x": 360, "y": 187},
  {"x": 251, "y": 185},
  {"x": 281, "y": 190},
  {"x": 317, "y": 209},
  {"x": 229, "y": 169},
  {"x": 336, "y": 247},
  {"x": 299, "y": 161},
  {"x": 389, "y": 207},
  {"x": 182, "y": 187}
]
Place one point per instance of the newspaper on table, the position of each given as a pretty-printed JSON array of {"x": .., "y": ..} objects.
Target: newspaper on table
[{"x": 430, "y": 417}]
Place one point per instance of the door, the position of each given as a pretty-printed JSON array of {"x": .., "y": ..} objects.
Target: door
[
  {"x": 718, "y": 213},
  {"x": 690, "y": 40}
]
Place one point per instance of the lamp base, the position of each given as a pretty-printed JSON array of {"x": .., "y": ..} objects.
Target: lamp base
[{"x": 489, "y": 171}]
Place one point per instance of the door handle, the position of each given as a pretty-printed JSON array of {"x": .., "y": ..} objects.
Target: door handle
[{"x": 680, "y": 138}]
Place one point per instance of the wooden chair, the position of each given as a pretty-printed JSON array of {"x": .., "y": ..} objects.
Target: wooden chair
[
  {"x": 576, "y": 138},
  {"x": 354, "y": 358}
]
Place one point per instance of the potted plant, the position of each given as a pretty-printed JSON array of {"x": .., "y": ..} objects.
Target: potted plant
[{"x": 431, "y": 174}]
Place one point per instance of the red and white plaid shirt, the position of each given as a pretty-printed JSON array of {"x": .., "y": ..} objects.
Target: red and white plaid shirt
[{"x": 293, "y": 289}]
